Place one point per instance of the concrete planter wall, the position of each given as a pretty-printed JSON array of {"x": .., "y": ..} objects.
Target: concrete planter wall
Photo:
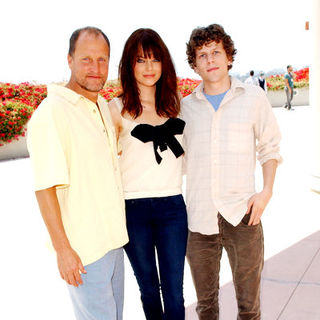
[
  {"x": 14, "y": 149},
  {"x": 278, "y": 98}
]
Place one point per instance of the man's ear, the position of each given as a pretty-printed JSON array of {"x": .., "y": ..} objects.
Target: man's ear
[
  {"x": 70, "y": 61},
  {"x": 195, "y": 69}
]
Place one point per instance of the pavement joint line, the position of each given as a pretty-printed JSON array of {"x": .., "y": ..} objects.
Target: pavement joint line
[
  {"x": 299, "y": 282},
  {"x": 304, "y": 283}
]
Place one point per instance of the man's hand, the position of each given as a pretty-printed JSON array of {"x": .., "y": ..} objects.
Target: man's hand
[
  {"x": 69, "y": 263},
  {"x": 256, "y": 205},
  {"x": 70, "y": 266}
]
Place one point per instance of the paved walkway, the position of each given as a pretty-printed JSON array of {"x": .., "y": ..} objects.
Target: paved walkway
[{"x": 291, "y": 279}]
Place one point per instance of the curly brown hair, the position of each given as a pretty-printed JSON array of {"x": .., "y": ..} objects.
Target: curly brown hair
[{"x": 202, "y": 36}]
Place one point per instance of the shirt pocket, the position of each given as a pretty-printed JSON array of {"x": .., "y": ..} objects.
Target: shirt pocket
[{"x": 240, "y": 137}]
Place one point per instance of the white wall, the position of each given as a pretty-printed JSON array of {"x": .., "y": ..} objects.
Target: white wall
[
  {"x": 15, "y": 149},
  {"x": 279, "y": 98}
]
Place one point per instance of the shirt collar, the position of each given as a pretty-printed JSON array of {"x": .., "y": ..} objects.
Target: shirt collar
[
  {"x": 237, "y": 87},
  {"x": 67, "y": 94}
]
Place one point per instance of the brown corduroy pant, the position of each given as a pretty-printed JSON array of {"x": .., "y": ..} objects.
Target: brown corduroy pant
[{"x": 245, "y": 249}]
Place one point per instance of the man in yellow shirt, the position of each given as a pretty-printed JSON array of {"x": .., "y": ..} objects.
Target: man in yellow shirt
[{"x": 73, "y": 152}]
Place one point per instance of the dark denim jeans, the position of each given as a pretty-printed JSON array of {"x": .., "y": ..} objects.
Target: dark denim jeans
[
  {"x": 244, "y": 245},
  {"x": 158, "y": 225}
]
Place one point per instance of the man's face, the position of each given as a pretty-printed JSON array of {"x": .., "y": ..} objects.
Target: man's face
[
  {"x": 290, "y": 69},
  {"x": 90, "y": 63},
  {"x": 212, "y": 62}
]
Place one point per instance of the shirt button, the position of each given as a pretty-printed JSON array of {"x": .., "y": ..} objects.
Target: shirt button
[
  {"x": 104, "y": 130},
  {"x": 94, "y": 111}
]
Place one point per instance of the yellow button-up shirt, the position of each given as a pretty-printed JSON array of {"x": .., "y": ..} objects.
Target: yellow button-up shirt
[
  {"x": 73, "y": 148},
  {"x": 221, "y": 148}
]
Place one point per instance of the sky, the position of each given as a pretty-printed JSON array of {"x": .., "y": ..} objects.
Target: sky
[{"x": 35, "y": 34}]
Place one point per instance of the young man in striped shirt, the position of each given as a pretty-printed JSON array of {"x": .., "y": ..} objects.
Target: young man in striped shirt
[{"x": 227, "y": 123}]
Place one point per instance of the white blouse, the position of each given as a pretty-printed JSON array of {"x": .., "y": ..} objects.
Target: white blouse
[{"x": 142, "y": 176}]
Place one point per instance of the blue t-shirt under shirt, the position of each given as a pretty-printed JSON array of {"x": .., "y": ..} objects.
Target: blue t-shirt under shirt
[{"x": 216, "y": 99}]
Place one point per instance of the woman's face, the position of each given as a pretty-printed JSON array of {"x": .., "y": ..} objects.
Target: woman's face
[{"x": 147, "y": 70}]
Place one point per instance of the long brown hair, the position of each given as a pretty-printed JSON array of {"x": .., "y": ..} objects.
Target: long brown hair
[{"x": 167, "y": 100}]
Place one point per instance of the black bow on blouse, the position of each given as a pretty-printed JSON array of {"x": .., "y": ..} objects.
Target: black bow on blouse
[{"x": 162, "y": 136}]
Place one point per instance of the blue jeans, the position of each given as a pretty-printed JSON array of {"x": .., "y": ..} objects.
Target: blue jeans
[
  {"x": 158, "y": 224},
  {"x": 100, "y": 297}
]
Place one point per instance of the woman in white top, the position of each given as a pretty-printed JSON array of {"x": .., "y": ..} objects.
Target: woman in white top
[{"x": 150, "y": 137}]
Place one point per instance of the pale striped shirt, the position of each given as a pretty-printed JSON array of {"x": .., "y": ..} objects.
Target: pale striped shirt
[{"x": 221, "y": 148}]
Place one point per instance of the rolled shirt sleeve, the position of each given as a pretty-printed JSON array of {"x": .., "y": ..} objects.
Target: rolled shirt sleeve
[
  {"x": 47, "y": 148},
  {"x": 267, "y": 132}
]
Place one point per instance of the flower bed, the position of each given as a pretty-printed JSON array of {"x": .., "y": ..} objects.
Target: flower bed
[
  {"x": 186, "y": 86},
  {"x": 25, "y": 92},
  {"x": 17, "y": 102},
  {"x": 13, "y": 116},
  {"x": 276, "y": 82}
]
